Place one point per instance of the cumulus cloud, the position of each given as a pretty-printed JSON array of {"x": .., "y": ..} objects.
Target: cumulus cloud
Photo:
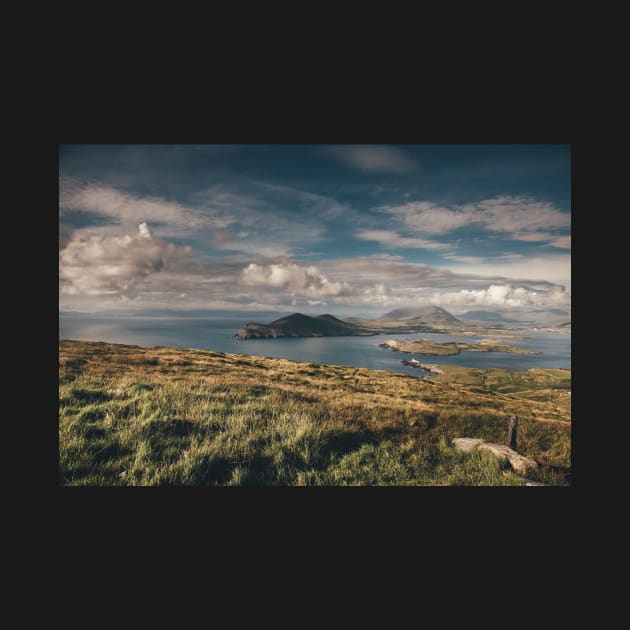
[
  {"x": 65, "y": 234},
  {"x": 106, "y": 265},
  {"x": 159, "y": 275},
  {"x": 396, "y": 241},
  {"x": 279, "y": 222},
  {"x": 493, "y": 295},
  {"x": 298, "y": 280},
  {"x": 503, "y": 296},
  {"x": 391, "y": 283},
  {"x": 374, "y": 158}
]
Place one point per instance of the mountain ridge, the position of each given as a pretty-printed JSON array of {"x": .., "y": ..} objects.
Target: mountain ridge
[
  {"x": 421, "y": 319},
  {"x": 427, "y": 314}
]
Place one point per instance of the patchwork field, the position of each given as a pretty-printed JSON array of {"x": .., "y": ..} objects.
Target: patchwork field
[{"x": 449, "y": 348}]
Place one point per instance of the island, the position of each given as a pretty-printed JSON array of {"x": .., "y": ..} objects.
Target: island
[
  {"x": 299, "y": 325},
  {"x": 448, "y": 348}
]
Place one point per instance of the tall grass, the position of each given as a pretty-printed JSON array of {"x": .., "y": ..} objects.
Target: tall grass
[{"x": 135, "y": 416}]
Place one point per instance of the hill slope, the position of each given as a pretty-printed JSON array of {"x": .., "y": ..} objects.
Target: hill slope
[
  {"x": 427, "y": 314},
  {"x": 528, "y": 317},
  {"x": 168, "y": 416},
  {"x": 298, "y": 325}
]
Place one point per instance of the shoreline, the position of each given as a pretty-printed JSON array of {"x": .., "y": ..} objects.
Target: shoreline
[{"x": 432, "y": 368}]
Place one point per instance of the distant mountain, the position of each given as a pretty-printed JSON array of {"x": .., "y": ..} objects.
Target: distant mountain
[
  {"x": 533, "y": 317},
  {"x": 298, "y": 325},
  {"x": 488, "y": 316},
  {"x": 427, "y": 314}
]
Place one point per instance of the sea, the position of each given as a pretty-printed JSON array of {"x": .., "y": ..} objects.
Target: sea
[{"x": 364, "y": 352}]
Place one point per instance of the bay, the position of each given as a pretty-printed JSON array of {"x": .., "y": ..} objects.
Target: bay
[{"x": 217, "y": 334}]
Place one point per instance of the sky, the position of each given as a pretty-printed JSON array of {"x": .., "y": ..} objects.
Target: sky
[{"x": 343, "y": 229}]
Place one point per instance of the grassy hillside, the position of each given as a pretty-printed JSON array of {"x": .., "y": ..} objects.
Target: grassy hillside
[{"x": 164, "y": 416}]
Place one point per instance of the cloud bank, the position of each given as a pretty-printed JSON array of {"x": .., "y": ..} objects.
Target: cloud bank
[
  {"x": 517, "y": 218},
  {"x": 505, "y": 296},
  {"x": 394, "y": 240},
  {"x": 299, "y": 280},
  {"x": 102, "y": 265}
]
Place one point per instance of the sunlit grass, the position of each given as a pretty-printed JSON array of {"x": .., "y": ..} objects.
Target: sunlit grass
[{"x": 164, "y": 416}]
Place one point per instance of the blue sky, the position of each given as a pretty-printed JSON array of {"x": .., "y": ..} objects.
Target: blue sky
[{"x": 349, "y": 229}]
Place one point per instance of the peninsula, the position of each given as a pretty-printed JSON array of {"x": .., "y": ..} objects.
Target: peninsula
[
  {"x": 432, "y": 319},
  {"x": 448, "y": 348}
]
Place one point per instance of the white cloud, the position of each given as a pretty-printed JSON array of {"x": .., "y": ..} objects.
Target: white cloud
[
  {"x": 243, "y": 221},
  {"x": 105, "y": 265},
  {"x": 467, "y": 260},
  {"x": 384, "y": 256},
  {"x": 302, "y": 281},
  {"x": 530, "y": 237},
  {"x": 517, "y": 218},
  {"x": 127, "y": 209},
  {"x": 514, "y": 214},
  {"x": 551, "y": 268},
  {"x": 102, "y": 270},
  {"x": 562, "y": 242},
  {"x": 428, "y": 218},
  {"x": 65, "y": 234},
  {"x": 374, "y": 158},
  {"x": 503, "y": 296},
  {"x": 396, "y": 241}
]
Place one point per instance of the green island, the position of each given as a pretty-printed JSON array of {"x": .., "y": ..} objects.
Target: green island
[
  {"x": 448, "y": 348},
  {"x": 131, "y": 415}
]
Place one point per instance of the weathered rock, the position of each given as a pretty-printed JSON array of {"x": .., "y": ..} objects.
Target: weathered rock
[
  {"x": 466, "y": 444},
  {"x": 520, "y": 465}
]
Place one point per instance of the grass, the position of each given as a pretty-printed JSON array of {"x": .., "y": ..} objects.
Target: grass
[{"x": 164, "y": 416}]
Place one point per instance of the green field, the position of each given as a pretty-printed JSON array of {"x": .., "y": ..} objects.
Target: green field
[
  {"x": 449, "y": 348},
  {"x": 163, "y": 416}
]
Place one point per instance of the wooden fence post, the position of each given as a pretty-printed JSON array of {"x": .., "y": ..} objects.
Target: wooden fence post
[{"x": 511, "y": 437}]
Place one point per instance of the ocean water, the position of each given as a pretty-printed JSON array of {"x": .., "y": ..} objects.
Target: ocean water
[{"x": 217, "y": 334}]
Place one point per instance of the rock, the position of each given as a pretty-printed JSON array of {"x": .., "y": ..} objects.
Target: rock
[
  {"x": 466, "y": 444},
  {"x": 520, "y": 465}
]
